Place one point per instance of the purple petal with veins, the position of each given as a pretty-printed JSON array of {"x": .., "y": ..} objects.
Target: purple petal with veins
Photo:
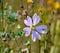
[
  {"x": 36, "y": 19},
  {"x": 27, "y": 31},
  {"x": 41, "y": 29},
  {"x": 28, "y": 22},
  {"x": 35, "y": 35}
]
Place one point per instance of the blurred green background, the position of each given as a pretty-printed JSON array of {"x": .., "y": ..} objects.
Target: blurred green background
[{"x": 12, "y": 15}]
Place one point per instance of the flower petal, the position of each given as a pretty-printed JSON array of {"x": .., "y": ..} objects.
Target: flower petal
[
  {"x": 41, "y": 29},
  {"x": 33, "y": 38},
  {"x": 36, "y": 19},
  {"x": 28, "y": 22},
  {"x": 27, "y": 31},
  {"x": 35, "y": 35}
]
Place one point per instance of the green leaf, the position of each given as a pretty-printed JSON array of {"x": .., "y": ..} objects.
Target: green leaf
[
  {"x": 27, "y": 43},
  {"x": 1, "y": 33},
  {"x": 12, "y": 17},
  {"x": 12, "y": 34},
  {"x": 19, "y": 33}
]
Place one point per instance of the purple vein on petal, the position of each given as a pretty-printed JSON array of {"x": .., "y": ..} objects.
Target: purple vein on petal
[
  {"x": 35, "y": 35},
  {"x": 41, "y": 29}
]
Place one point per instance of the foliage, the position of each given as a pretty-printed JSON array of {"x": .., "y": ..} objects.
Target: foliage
[{"x": 44, "y": 26}]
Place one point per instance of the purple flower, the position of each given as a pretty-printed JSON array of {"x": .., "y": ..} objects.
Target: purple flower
[{"x": 36, "y": 30}]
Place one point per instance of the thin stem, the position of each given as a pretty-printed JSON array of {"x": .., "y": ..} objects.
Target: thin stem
[
  {"x": 6, "y": 28},
  {"x": 2, "y": 13},
  {"x": 39, "y": 46},
  {"x": 55, "y": 22},
  {"x": 30, "y": 44},
  {"x": 16, "y": 42}
]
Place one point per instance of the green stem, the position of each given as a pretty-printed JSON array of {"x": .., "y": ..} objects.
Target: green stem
[
  {"x": 39, "y": 46},
  {"x": 55, "y": 22},
  {"x": 2, "y": 13},
  {"x": 16, "y": 42}
]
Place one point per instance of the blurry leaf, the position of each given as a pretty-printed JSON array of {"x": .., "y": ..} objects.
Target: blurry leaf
[
  {"x": 19, "y": 33},
  {"x": 27, "y": 43},
  {"x": 12, "y": 34},
  {"x": 12, "y": 17},
  {"x": 6, "y": 50},
  {"x": 19, "y": 50},
  {"x": 2, "y": 33},
  {"x": 1, "y": 44},
  {"x": 7, "y": 8},
  {"x": 11, "y": 51}
]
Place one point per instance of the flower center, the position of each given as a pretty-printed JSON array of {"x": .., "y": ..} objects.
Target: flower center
[{"x": 32, "y": 27}]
